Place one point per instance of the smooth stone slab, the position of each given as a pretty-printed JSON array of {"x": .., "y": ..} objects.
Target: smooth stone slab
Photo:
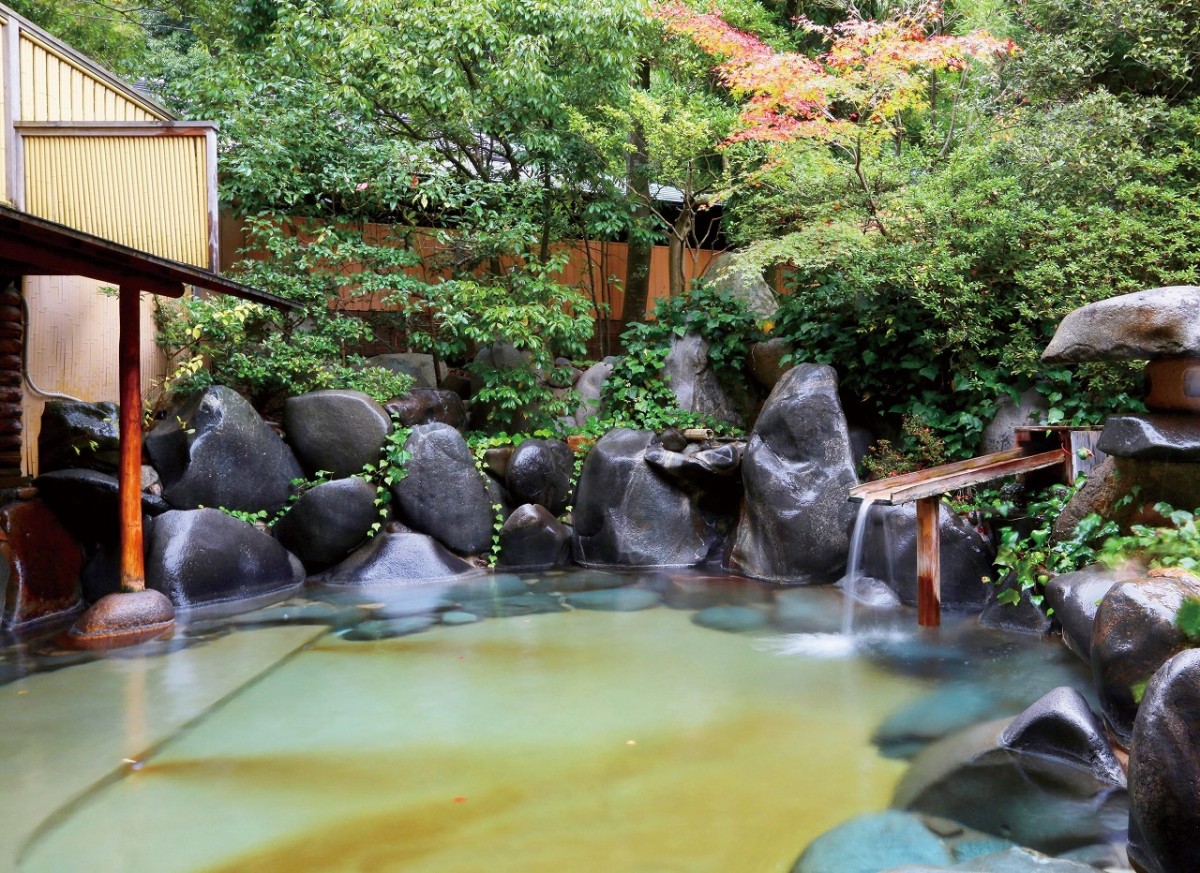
[
  {"x": 51, "y": 759},
  {"x": 614, "y": 599},
  {"x": 1153, "y": 437},
  {"x": 1142, "y": 326}
]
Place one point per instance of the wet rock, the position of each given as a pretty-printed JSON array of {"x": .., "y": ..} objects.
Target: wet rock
[
  {"x": 1022, "y": 617},
  {"x": 1027, "y": 409},
  {"x": 151, "y": 481},
  {"x": 456, "y": 617},
  {"x": 627, "y": 514},
  {"x": 215, "y": 450},
  {"x": 398, "y": 558},
  {"x": 1014, "y": 859},
  {"x": 337, "y": 431},
  {"x": 416, "y": 364},
  {"x": 428, "y": 406},
  {"x": 1075, "y": 597},
  {"x": 76, "y": 434},
  {"x": 766, "y": 361},
  {"x": 694, "y": 382},
  {"x": 872, "y": 843},
  {"x": 731, "y": 274},
  {"x": 389, "y": 628},
  {"x": 595, "y": 580},
  {"x": 1135, "y": 634},
  {"x": 698, "y": 468},
  {"x": 1031, "y": 796},
  {"x": 1152, "y": 437},
  {"x": 327, "y": 521},
  {"x": 40, "y": 566},
  {"x": 951, "y": 708},
  {"x": 1164, "y": 770},
  {"x": 203, "y": 556},
  {"x": 797, "y": 470},
  {"x": 540, "y": 471},
  {"x": 87, "y": 503},
  {"x": 1145, "y": 325},
  {"x": 1125, "y": 490},
  {"x": 1062, "y": 725},
  {"x": 890, "y": 554},
  {"x": 590, "y": 386},
  {"x": 1102, "y": 856},
  {"x": 614, "y": 599},
  {"x": 732, "y": 619},
  {"x": 442, "y": 493},
  {"x": 532, "y": 538}
]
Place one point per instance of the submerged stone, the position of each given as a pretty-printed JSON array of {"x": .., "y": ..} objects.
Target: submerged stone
[
  {"x": 873, "y": 843},
  {"x": 732, "y": 619},
  {"x": 455, "y": 617},
  {"x": 614, "y": 599},
  {"x": 1034, "y": 798},
  {"x": 389, "y": 628}
]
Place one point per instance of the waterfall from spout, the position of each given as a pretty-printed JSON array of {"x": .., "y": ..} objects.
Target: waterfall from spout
[{"x": 854, "y": 567}]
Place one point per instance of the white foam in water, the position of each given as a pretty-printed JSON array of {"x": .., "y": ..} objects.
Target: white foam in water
[{"x": 830, "y": 645}]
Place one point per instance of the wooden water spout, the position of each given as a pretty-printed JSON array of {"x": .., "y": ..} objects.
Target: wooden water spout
[{"x": 1037, "y": 449}]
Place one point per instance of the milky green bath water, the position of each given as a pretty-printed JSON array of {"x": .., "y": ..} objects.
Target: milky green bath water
[{"x": 576, "y": 741}]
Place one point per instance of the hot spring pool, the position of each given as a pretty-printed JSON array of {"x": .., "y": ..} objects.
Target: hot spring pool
[{"x": 575, "y": 740}]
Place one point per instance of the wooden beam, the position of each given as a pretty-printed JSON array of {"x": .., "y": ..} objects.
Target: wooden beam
[
  {"x": 133, "y": 573},
  {"x": 929, "y": 562}
]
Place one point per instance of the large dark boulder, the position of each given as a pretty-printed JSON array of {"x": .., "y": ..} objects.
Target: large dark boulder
[
  {"x": 1157, "y": 436},
  {"x": 1034, "y": 789},
  {"x": 1060, "y": 724},
  {"x": 695, "y": 384},
  {"x": 77, "y": 434},
  {"x": 1023, "y": 617},
  {"x": 87, "y": 503},
  {"x": 629, "y": 514},
  {"x": 203, "y": 556},
  {"x": 1135, "y": 634},
  {"x": 1075, "y": 597},
  {"x": 797, "y": 470},
  {"x": 539, "y": 471},
  {"x": 1164, "y": 770},
  {"x": 442, "y": 494},
  {"x": 398, "y": 558},
  {"x": 890, "y": 555},
  {"x": 215, "y": 450},
  {"x": 428, "y": 406},
  {"x": 328, "y": 521},
  {"x": 336, "y": 431},
  {"x": 533, "y": 539}
]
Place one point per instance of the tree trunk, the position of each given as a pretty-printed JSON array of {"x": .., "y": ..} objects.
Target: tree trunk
[
  {"x": 681, "y": 231},
  {"x": 637, "y": 272}
]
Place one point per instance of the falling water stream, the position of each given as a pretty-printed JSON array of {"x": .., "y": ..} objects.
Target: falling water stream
[{"x": 854, "y": 567}]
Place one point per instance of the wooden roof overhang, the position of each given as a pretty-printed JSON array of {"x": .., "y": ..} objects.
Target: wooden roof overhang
[{"x": 32, "y": 246}]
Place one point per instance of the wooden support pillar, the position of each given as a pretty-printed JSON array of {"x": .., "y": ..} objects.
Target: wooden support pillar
[
  {"x": 929, "y": 560},
  {"x": 133, "y": 573}
]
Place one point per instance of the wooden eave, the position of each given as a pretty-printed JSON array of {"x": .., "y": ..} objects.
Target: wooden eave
[{"x": 32, "y": 246}]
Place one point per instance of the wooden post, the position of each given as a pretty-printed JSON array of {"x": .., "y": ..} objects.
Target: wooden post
[
  {"x": 133, "y": 572},
  {"x": 929, "y": 570}
]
